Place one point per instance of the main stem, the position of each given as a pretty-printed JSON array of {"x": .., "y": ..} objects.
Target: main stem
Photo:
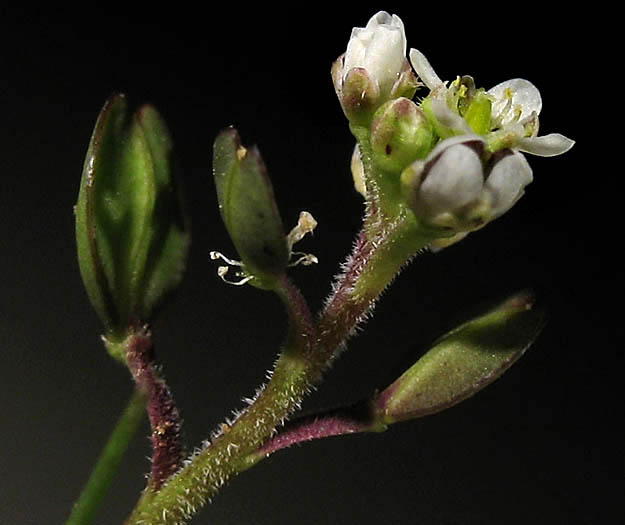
[
  {"x": 108, "y": 463},
  {"x": 378, "y": 256}
]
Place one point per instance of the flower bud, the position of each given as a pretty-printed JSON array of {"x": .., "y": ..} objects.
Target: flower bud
[
  {"x": 248, "y": 209},
  {"x": 460, "y": 186},
  {"x": 374, "y": 67},
  {"x": 400, "y": 134},
  {"x": 463, "y": 361},
  {"x": 131, "y": 233}
]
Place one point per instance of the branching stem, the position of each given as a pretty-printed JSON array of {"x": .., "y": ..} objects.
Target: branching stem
[{"x": 378, "y": 256}]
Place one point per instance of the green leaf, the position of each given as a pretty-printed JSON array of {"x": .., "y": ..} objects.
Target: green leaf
[
  {"x": 463, "y": 361},
  {"x": 248, "y": 207}
]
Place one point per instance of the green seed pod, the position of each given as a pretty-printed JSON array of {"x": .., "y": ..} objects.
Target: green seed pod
[
  {"x": 249, "y": 210},
  {"x": 131, "y": 232},
  {"x": 463, "y": 361}
]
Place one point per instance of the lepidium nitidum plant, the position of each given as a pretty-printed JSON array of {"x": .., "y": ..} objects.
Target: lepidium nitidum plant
[{"x": 431, "y": 171}]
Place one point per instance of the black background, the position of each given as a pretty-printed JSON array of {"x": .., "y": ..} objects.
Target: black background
[{"x": 535, "y": 447}]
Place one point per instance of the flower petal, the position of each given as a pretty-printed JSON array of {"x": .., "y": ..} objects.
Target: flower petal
[
  {"x": 385, "y": 55},
  {"x": 356, "y": 47},
  {"x": 546, "y": 145},
  {"x": 446, "y": 116},
  {"x": 455, "y": 179},
  {"x": 506, "y": 181},
  {"x": 424, "y": 70},
  {"x": 525, "y": 97},
  {"x": 470, "y": 139}
]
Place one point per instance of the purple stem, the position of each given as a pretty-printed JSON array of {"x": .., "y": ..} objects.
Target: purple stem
[
  {"x": 337, "y": 422},
  {"x": 167, "y": 449}
]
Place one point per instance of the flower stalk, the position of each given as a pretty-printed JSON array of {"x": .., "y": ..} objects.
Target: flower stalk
[{"x": 167, "y": 447}]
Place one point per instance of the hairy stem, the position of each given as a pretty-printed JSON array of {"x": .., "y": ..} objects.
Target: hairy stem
[
  {"x": 352, "y": 419},
  {"x": 380, "y": 253},
  {"x": 109, "y": 461},
  {"x": 377, "y": 257},
  {"x": 207, "y": 471},
  {"x": 167, "y": 449}
]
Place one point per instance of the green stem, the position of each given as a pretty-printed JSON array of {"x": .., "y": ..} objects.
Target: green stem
[{"x": 108, "y": 463}]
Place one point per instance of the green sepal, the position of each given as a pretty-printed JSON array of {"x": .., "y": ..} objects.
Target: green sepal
[
  {"x": 132, "y": 235},
  {"x": 248, "y": 208},
  {"x": 463, "y": 361}
]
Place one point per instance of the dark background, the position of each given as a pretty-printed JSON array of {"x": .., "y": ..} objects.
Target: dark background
[{"x": 538, "y": 446}]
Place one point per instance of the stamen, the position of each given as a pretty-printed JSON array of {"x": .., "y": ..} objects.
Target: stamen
[
  {"x": 223, "y": 270},
  {"x": 530, "y": 124},
  {"x": 305, "y": 224},
  {"x": 305, "y": 259},
  {"x": 218, "y": 255}
]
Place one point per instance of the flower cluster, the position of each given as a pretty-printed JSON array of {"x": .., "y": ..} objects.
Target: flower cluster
[{"x": 458, "y": 154}]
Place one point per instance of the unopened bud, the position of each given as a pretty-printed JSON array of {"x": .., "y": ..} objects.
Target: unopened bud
[
  {"x": 400, "y": 134},
  {"x": 374, "y": 68},
  {"x": 460, "y": 186}
]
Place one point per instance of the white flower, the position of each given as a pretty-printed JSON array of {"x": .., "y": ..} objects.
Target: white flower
[
  {"x": 379, "y": 48},
  {"x": 461, "y": 187},
  {"x": 516, "y": 105}
]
